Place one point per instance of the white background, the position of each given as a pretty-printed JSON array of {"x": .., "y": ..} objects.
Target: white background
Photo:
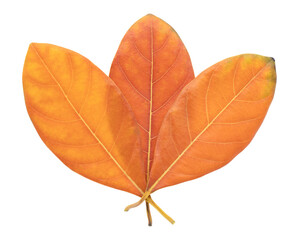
[{"x": 256, "y": 196}]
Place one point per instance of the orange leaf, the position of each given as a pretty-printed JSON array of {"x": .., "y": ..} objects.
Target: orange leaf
[
  {"x": 151, "y": 67},
  {"x": 214, "y": 118},
  {"x": 82, "y": 117}
]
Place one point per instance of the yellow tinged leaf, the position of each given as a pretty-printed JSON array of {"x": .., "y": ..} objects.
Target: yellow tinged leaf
[{"x": 213, "y": 119}]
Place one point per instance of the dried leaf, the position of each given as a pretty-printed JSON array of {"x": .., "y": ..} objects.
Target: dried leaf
[
  {"x": 214, "y": 118},
  {"x": 151, "y": 67},
  {"x": 82, "y": 117}
]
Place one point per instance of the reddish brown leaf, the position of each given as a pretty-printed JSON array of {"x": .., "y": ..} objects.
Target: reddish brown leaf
[{"x": 151, "y": 67}]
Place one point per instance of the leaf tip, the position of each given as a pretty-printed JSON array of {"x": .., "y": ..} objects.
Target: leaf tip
[
  {"x": 32, "y": 44},
  {"x": 150, "y": 15}
]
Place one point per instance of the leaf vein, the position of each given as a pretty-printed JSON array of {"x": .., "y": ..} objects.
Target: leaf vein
[
  {"x": 139, "y": 51},
  {"x": 171, "y": 66},
  {"x": 132, "y": 85}
]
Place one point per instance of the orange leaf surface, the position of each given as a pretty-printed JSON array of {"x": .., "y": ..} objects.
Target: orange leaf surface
[
  {"x": 151, "y": 67},
  {"x": 214, "y": 118},
  {"x": 82, "y": 117}
]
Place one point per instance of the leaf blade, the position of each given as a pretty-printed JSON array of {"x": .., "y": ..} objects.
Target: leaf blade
[
  {"x": 150, "y": 67},
  {"x": 75, "y": 108},
  {"x": 224, "y": 91}
]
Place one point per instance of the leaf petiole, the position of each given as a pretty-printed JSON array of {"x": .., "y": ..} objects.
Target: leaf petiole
[
  {"x": 136, "y": 204},
  {"x": 150, "y": 201},
  {"x": 149, "y": 216},
  {"x": 146, "y": 197}
]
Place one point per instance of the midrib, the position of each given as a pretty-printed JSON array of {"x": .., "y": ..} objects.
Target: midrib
[{"x": 150, "y": 104}]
